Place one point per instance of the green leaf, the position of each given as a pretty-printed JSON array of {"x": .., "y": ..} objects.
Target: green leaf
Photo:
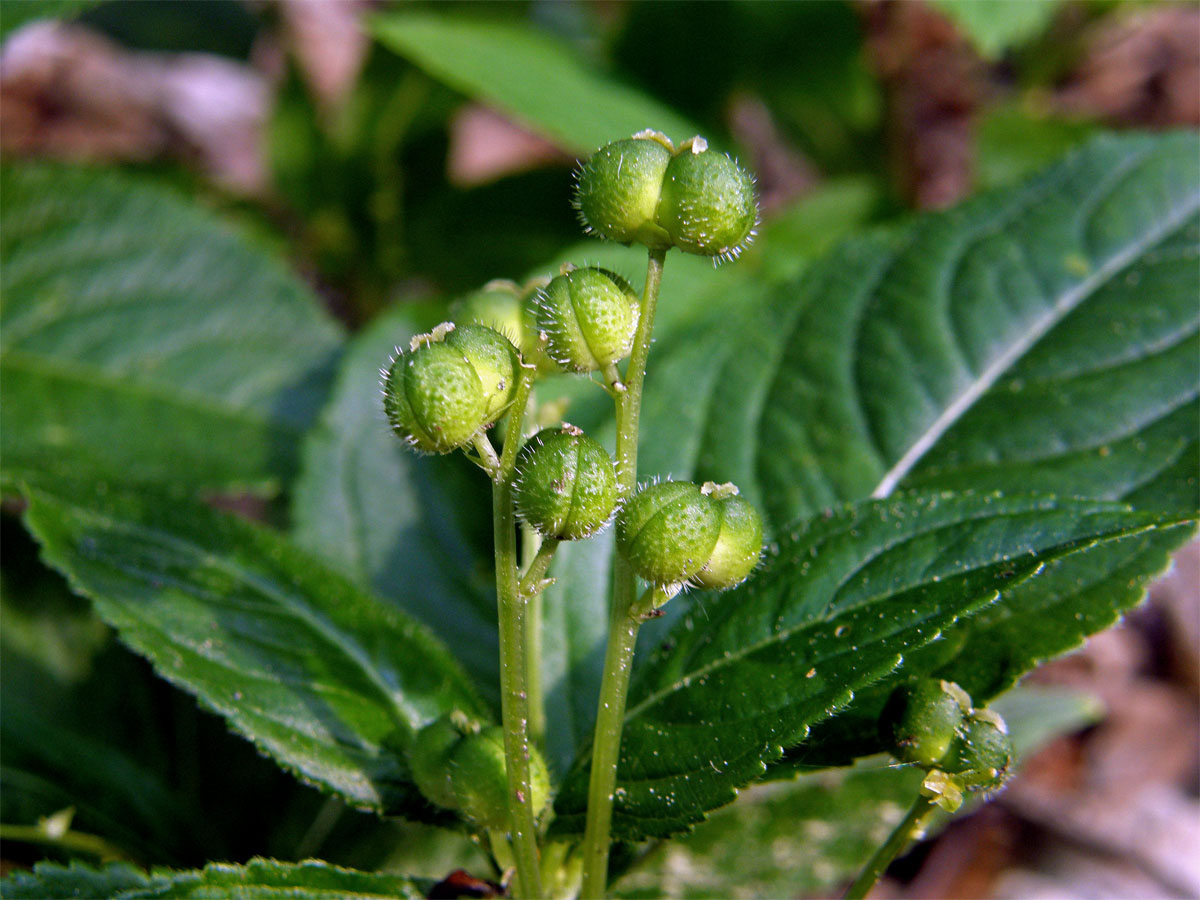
[
  {"x": 141, "y": 337},
  {"x": 325, "y": 679},
  {"x": 407, "y": 526},
  {"x": 257, "y": 878},
  {"x": 995, "y": 25},
  {"x": 811, "y": 837},
  {"x": 1038, "y": 338},
  {"x": 1036, "y": 620},
  {"x": 840, "y": 603},
  {"x": 1017, "y": 139},
  {"x": 539, "y": 80}
]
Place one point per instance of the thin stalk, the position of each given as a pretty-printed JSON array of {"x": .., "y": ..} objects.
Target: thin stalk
[
  {"x": 629, "y": 402},
  {"x": 74, "y": 841},
  {"x": 514, "y": 662},
  {"x": 536, "y": 570},
  {"x": 900, "y": 837},
  {"x": 623, "y": 623},
  {"x": 531, "y": 544}
]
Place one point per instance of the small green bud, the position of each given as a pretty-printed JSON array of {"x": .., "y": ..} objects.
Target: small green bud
[
  {"x": 566, "y": 485},
  {"x": 739, "y": 543},
  {"x": 450, "y": 384},
  {"x": 498, "y": 306},
  {"x": 708, "y": 204},
  {"x": 480, "y": 782},
  {"x": 921, "y": 720},
  {"x": 589, "y": 317},
  {"x": 429, "y": 758},
  {"x": 667, "y": 531},
  {"x": 982, "y": 754},
  {"x": 619, "y": 189}
]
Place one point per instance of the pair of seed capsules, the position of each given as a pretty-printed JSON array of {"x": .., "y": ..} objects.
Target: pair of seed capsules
[{"x": 455, "y": 382}]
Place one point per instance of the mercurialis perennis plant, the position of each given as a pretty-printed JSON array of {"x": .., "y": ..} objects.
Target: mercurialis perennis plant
[{"x": 626, "y": 538}]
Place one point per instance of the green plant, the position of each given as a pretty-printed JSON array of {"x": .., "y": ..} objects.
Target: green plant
[{"x": 960, "y": 445}]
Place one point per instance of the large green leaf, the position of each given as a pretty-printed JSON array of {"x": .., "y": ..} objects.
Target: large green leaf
[
  {"x": 1038, "y": 619},
  {"x": 1042, "y": 338},
  {"x": 141, "y": 337},
  {"x": 258, "y": 878},
  {"x": 413, "y": 528},
  {"x": 810, "y": 837},
  {"x": 541, "y": 81},
  {"x": 841, "y": 602},
  {"x": 1039, "y": 338},
  {"x": 323, "y": 677}
]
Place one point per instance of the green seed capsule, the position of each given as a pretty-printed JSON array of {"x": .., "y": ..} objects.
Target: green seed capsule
[
  {"x": 480, "y": 783},
  {"x": 921, "y": 720},
  {"x": 667, "y": 531},
  {"x": 708, "y": 204},
  {"x": 982, "y": 754},
  {"x": 449, "y": 385},
  {"x": 739, "y": 544},
  {"x": 619, "y": 189},
  {"x": 589, "y": 317},
  {"x": 495, "y": 361},
  {"x": 430, "y": 756},
  {"x": 566, "y": 486}
]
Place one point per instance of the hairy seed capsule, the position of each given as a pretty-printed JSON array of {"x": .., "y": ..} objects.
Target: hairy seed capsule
[
  {"x": 619, "y": 188},
  {"x": 480, "y": 783},
  {"x": 566, "y": 486},
  {"x": 921, "y": 720},
  {"x": 982, "y": 754},
  {"x": 667, "y": 531},
  {"x": 589, "y": 317},
  {"x": 708, "y": 204},
  {"x": 429, "y": 758},
  {"x": 495, "y": 361},
  {"x": 739, "y": 543},
  {"x": 449, "y": 385}
]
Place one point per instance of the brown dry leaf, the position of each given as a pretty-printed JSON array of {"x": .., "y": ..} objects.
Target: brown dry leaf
[
  {"x": 68, "y": 93},
  {"x": 932, "y": 81},
  {"x": 484, "y": 146},
  {"x": 1141, "y": 69},
  {"x": 329, "y": 43}
]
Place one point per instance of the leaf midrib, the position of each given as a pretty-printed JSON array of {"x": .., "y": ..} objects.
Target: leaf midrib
[{"x": 1066, "y": 303}]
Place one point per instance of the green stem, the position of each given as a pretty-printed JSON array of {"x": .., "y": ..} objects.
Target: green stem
[
  {"x": 530, "y": 589},
  {"x": 530, "y": 546},
  {"x": 900, "y": 837},
  {"x": 623, "y": 622},
  {"x": 76, "y": 841},
  {"x": 537, "y": 568},
  {"x": 629, "y": 402},
  {"x": 514, "y": 662}
]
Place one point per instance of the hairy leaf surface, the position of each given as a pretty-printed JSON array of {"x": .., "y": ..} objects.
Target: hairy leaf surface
[
  {"x": 309, "y": 880},
  {"x": 1036, "y": 339},
  {"x": 142, "y": 338},
  {"x": 322, "y": 676},
  {"x": 812, "y": 836},
  {"x": 841, "y": 602}
]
